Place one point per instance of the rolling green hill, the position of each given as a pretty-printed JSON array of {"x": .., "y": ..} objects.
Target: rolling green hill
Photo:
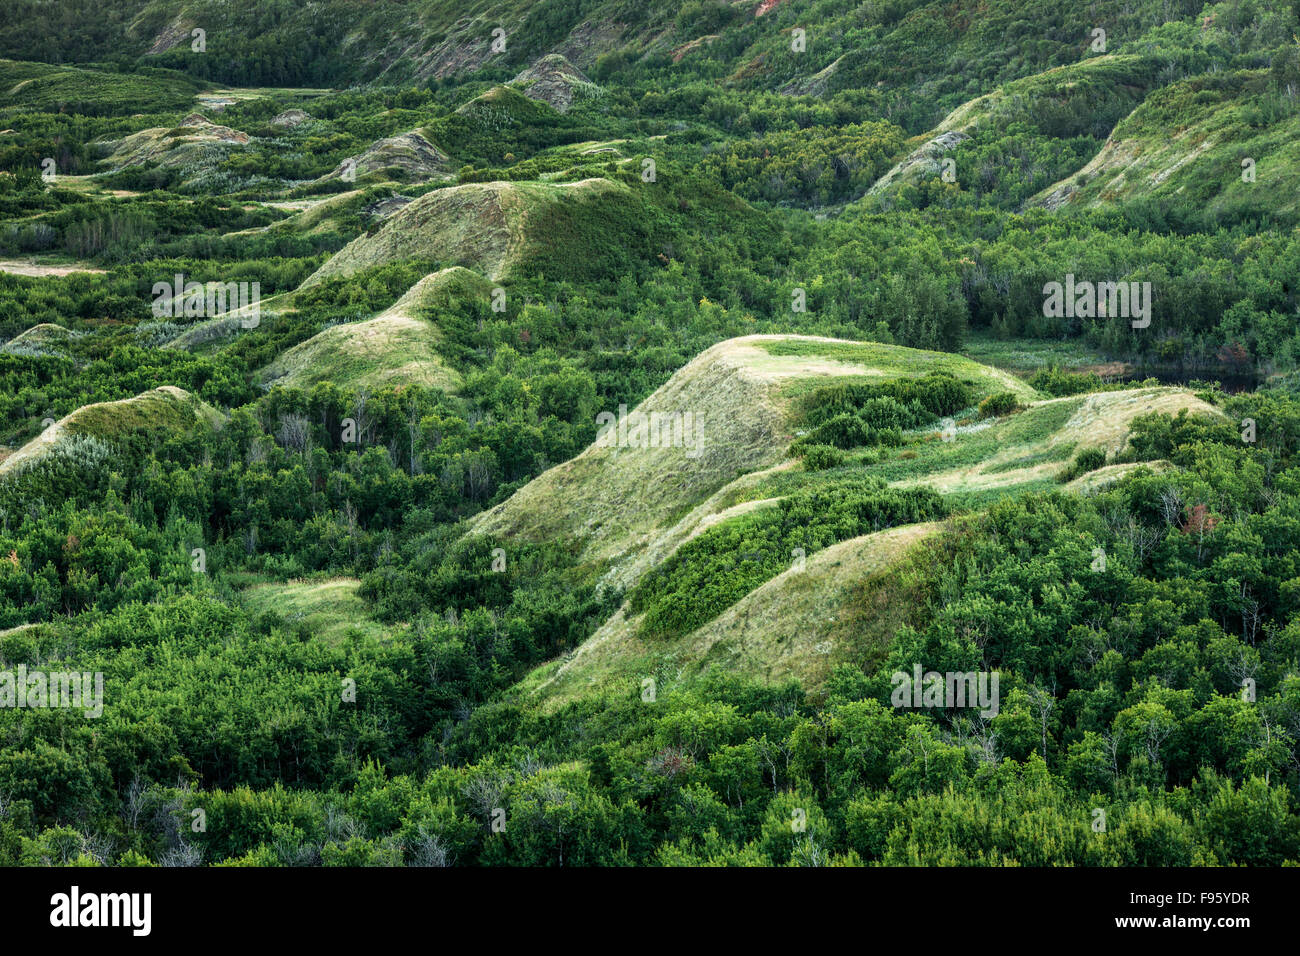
[
  {"x": 613, "y": 502},
  {"x": 43, "y": 338},
  {"x": 91, "y": 92},
  {"x": 409, "y": 155},
  {"x": 496, "y": 228},
  {"x": 1005, "y": 142},
  {"x": 666, "y": 382},
  {"x": 155, "y": 413},
  {"x": 935, "y": 49},
  {"x": 398, "y": 346},
  {"x": 631, "y": 512},
  {"x": 1224, "y": 143},
  {"x": 195, "y": 148}
]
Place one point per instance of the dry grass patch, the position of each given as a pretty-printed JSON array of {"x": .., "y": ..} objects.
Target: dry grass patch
[
  {"x": 1101, "y": 420},
  {"x": 30, "y": 267}
]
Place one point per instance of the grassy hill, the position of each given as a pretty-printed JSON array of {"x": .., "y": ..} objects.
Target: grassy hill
[
  {"x": 635, "y": 517},
  {"x": 195, "y": 147},
  {"x": 365, "y": 355},
  {"x": 93, "y": 92},
  {"x": 398, "y": 346},
  {"x": 1188, "y": 143},
  {"x": 614, "y": 503},
  {"x": 495, "y": 228},
  {"x": 1005, "y": 142},
  {"x": 840, "y": 607},
  {"x": 409, "y": 156},
  {"x": 45, "y": 338},
  {"x": 337, "y": 212},
  {"x": 158, "y": 412}
]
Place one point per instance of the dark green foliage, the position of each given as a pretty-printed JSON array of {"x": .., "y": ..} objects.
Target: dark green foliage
[
  {"x": 821, "y": 457},
  {"x": 1058, "y": 382},
  {"x": 997, "y": 404},
  {"x": 904, "y": 403},
  {"x": 1090, "y": 459},
  {"x": 852, "y": 415}
]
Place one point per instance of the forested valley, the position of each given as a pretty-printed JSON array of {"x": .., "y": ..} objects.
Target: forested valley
[{"x": 338, "y": 340}]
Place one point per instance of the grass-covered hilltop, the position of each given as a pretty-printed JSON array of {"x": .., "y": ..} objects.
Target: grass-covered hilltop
[{"x": 558, "y": 433}]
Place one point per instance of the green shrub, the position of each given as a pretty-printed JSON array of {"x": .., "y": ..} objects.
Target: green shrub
[
  {"x": 1058, "y": 383},
  {"x": 851, "y": 431},
  {"x": 1090, "y": 459},
  {"x": 906, "y": 403},
  {"x": 856, "y": 415},
  {"x": 822, "y": 457},
  {"x": 1002, "y": 403}
]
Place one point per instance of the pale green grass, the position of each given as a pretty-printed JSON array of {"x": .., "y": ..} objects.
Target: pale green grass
[
  {"x": 1187, "y": 142},
  {"x": 398, "y": 346},
  {"x": 330, "y": 609},
  {"x": 889, "y": 362},
  {"x": 387, "y": 350},
  {"x": 1026, "y": 356}
]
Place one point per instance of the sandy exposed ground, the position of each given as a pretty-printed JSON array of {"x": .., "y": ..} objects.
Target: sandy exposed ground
[{"x": 29, "y": 267}]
